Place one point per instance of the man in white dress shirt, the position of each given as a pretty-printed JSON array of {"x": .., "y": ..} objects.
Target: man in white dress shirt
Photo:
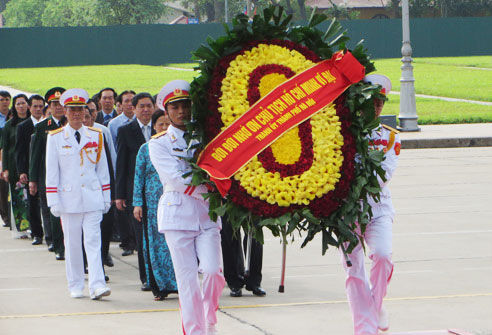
[
  {"x": 78, "y": 191},
  {"x": 193, "y": 238},
  {"x": 127, "y": 115}
]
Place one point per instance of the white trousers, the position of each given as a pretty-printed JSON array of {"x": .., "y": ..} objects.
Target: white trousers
[
  {"x": 365, "y": 295},
  {"x": 73, "y": 225},
  {"x": 193, "y": 252}
]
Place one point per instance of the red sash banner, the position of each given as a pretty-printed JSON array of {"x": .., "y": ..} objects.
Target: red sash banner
[{"x": 283, "y": 108}]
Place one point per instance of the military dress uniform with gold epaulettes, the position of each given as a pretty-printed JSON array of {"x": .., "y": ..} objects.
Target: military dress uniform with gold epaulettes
[{"x": 78, "y": 190}]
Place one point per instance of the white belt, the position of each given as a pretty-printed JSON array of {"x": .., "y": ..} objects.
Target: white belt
[{"x": 188, "y": 191}]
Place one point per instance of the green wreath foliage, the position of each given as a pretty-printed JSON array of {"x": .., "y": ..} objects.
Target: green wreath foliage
[{"x": 339, "y": 229}]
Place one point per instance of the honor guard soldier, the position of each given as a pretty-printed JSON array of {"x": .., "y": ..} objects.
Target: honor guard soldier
[
  {"x": 193, "y": 238},
  {"x": 37, "y": 169},
  {"x": 78, "y": 191},
  {"x": 366, "y": 296}
]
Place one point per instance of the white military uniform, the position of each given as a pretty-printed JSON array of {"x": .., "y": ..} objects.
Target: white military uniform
[
  {"x": 78, "y": 190},
  {"x": 366, "y": 296},
  {"x": 190, "y": 233}
]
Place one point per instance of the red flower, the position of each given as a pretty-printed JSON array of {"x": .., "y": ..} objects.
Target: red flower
[{"x": 320, "y": 207}]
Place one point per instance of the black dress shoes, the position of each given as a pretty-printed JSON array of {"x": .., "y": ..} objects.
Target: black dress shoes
[
  {"x": 37, "y": 241},
  {"x": 60, "y": 256},
  {"x": 127, "y": 252},
  {"x": 51, "y": 248},
  {"x": 108, "y": 260},
  {"x": 106, "y": 278},
  {"x": 145, "y": 287},
  {"x": 236, "y": 292},
  {"x": 257, "y": 290}
]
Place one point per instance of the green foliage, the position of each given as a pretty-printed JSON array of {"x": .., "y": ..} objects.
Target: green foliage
[
  {"x": 61, "y": 13},
  {"x": 450, "y": 8},
  {"x": 113, "y": 12},
  {"x": 274, "y": 24},
  {"x": 24, "y": 13}
]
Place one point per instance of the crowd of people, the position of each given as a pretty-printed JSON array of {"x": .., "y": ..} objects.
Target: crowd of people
[
  {"x": 80, "y": 172},
  {"x": 41, "y": 138}
]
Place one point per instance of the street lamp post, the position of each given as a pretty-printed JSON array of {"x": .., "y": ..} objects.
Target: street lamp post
[
  {"x": 226, "y": 10},
  {"x": 408, "y": 111}
]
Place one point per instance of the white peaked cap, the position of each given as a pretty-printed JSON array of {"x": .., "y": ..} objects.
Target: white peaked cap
[
  {"x": 379, "y": 79},
  {"x": 173, "y": 91},
  {"x": 74, "y": 97}
]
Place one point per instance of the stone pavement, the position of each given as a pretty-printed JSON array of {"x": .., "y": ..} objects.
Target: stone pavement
[
  {"x": 441, "y": 285},
  {"x": 449, "y": 136}
]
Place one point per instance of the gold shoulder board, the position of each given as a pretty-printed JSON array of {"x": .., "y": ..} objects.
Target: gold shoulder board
[
  {"x": 390, "y": 129},
  {"x": 160, "y": 134},
  {"x": 95, "y": 129},
  {"x": 56, "y": 131}
]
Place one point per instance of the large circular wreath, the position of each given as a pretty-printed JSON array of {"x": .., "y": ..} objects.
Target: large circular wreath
[{"x": 317, "y": 176}]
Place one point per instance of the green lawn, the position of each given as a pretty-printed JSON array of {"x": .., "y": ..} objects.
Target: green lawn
[
  {"x": 140, "y": 78},
  {"x": 443, "y": 76},
  {"x": 431, "y": 111},
  {"x": 447, "y": 77}
]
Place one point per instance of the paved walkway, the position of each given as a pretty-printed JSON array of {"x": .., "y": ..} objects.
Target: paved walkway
[{"x": 442, "y": 279}]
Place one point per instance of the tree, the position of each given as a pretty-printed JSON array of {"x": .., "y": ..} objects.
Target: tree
[
  {"x": 3, "y": 4},
  {"x": 394, "y": 6},
  {"x": 62, "y": 13},
  {"x": 24, "y": 13},
  {"x": 450, "y": 8},
  {"x": 35, "y": 13},
  {"x": 112, "y": 12}
]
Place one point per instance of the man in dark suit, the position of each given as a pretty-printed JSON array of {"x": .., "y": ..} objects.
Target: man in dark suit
[
  {"x": 107, "y": 97},
  {"x": 4, "y": 186},
  {"x": 233, "y": 259},
  {"x": 37, "y": 166},
  {"x": 22, "y": 151},
  {"x": 130, "y": 138}
]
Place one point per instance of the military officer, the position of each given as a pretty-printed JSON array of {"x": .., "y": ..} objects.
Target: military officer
[
  {"x": 366, "y": 296},
  {"x": 37, "y": 171},
  {"x": 183, "y": 217},
  {"x": 78, "y": 191}
]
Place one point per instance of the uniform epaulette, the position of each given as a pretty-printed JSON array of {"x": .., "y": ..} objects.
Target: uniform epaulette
[
  {"x": 56, "y": 131},
  {"x": 160, "y": 134},
  {"x": 390, "y": 128},
  {"x": 95, "y": 129}
]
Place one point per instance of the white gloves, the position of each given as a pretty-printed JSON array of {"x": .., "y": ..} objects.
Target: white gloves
[
  {"x": 107, "y": 207},
  {"x": 55, "y": 211}
]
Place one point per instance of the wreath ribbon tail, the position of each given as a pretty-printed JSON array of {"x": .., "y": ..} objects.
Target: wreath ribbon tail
[{"x": 223, "y": 185}]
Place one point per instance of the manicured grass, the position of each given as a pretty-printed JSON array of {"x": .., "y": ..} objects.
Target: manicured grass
[
  {"x": 477, "y": 61},
  {"x": 140, "y": 78},
  {"x": 432, "y": 111},
  {"x": 446, "y": 77},
  {"x": 182, "y": 65}
]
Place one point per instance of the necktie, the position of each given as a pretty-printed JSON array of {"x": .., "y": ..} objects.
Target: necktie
[
  {"x": 77, "y": 136},
  {"x": 107, "y": 117},
  {"x": 145, "y": 133}
]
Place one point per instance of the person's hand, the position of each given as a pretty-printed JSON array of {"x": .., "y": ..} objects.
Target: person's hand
[
  {"x": 6, "y": 175},
  {"x": 33, "y": 188},
  {"x": 137, "y": 213},
  {"x": 23, "y": 179},
  {"x": 107, "y": 207},
  {"x": 55, "y": 211},
  {"x": 121, "y": 204}
]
